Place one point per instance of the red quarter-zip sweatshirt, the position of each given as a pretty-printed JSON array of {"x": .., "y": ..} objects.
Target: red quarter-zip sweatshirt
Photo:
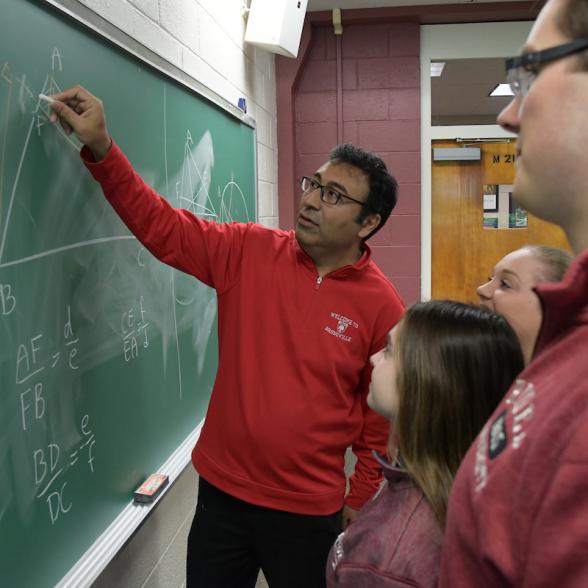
[{"x": 290, "y": 391}]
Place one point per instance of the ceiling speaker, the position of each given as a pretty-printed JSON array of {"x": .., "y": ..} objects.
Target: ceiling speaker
[{"x": 276, "y": 25}]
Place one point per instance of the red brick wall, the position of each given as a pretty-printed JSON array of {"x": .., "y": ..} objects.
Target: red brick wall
[{"x": 381, "y": 112}]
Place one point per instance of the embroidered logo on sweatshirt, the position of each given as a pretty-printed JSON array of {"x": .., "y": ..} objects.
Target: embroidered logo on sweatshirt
[
  {"x": 481, "y": 463},
  {"x": 508, "y": 429},
  {"x": 342, "y": 324},
  {"x": 498, "y": 439},
  {"x": 521, "y": 403}
]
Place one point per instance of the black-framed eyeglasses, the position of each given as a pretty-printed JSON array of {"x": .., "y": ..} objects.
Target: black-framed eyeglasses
[
  {"x": 521, "y": 71},
  {"x": 328, "y": 195}
]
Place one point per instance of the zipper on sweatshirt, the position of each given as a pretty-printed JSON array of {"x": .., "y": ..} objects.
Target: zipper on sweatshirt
[{"x": 313, "y": 300}]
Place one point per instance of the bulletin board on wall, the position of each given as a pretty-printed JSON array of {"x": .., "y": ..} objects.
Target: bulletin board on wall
[{"x": 107, "y": 356}]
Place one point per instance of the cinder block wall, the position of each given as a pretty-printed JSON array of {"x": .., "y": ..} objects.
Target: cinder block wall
[
  {"x": 205, "y": 39},
  {"x": 380, "y": 94}
]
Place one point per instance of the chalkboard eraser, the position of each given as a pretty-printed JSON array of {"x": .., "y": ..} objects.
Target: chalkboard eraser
[{"x": 151, "y": 488}]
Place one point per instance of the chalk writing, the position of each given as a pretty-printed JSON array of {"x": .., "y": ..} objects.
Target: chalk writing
[
  {"x": 29, "y": 364},
  {"x": 27, "y": 358},
  {"x": 7, "y": 299},
  {"x": 134, "y": 328},
  {"x": 50, "y": 467}
]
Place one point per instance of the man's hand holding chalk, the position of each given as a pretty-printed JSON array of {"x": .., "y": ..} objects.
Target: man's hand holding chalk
[{"x": 82, "y": 113}]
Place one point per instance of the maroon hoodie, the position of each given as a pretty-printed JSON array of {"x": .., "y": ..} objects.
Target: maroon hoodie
[{"x": 518, "y": 513}]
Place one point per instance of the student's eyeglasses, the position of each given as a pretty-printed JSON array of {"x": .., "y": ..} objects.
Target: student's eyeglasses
[
  {"x": 522, "y": 71},
  {"x": 328, "y": 195}
]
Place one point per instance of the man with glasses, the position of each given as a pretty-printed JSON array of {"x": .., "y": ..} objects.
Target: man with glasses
[
  {"x": 518, "y": 513},
  {"x": 300, "y": 313}
]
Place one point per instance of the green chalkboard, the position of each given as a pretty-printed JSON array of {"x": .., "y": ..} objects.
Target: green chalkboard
[{"x": 107, "y": 356}]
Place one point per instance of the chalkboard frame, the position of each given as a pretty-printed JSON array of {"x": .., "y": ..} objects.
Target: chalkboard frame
[{"x": 118, "y": 533}]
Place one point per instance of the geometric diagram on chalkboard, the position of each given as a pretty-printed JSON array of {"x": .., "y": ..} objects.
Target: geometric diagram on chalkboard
[
  {"x": 192, "y": 185},
  {"x": 19, "y": 97},
  {"x": 232, "y": 203},
  {"x": 226, "y": 204}
]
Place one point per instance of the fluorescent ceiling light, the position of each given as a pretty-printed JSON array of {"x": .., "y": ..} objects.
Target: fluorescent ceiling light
[
  {"x": 437, "y": 68},
  {"x": 501, "y": 90}
]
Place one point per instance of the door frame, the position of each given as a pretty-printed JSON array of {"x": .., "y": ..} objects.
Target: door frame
[{"x": 456, "y": 41}]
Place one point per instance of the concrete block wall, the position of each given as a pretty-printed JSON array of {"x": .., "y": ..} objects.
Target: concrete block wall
[
  {"x": 205, "y": 39},
  {"x": 381, "y": 112}
]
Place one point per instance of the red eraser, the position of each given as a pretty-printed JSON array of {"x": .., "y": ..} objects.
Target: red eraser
[{"x": 150, "y": 489}]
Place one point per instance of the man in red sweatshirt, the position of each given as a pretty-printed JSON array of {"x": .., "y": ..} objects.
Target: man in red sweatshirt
[
  {"x": 299, "y": 314},
  {"x": 518, "y": 514}
]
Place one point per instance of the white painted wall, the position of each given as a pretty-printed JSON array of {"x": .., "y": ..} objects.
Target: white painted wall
[{"x": 205, "y": 39}]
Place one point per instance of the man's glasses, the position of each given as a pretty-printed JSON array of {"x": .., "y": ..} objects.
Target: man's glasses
[
  {"x": 328, "y": 195},
  {"x": 522, "y": 71}
]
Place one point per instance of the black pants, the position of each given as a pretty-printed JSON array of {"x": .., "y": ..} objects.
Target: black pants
[{"x": 230, "y": 540}]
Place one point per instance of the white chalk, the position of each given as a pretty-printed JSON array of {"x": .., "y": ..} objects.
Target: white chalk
[{"x": 46, "y": 98}]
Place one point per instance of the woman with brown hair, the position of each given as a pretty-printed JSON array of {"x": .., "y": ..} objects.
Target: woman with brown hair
[{"x": 445, "y": 368}]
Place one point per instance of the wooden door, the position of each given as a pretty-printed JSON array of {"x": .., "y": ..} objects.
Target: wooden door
[{"x": 463, "y": 251}]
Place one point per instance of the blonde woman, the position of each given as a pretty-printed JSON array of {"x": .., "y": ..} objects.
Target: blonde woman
[{"x": 510, "y": 289}]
